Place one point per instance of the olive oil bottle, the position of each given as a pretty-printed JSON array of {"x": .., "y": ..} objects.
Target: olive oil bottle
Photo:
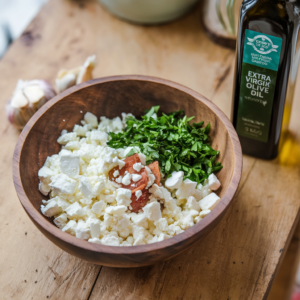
[{"x": 265, "y": 72}]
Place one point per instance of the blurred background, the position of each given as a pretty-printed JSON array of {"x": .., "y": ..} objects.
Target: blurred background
[{"x": 15, "y": 15}]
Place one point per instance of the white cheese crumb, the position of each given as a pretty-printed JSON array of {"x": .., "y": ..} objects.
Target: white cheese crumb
[
  {"x": 127, "y": 179},
  {"x": 187, "y": 188},
  {"x": 63, "y": 184},
  {"x": 69, "y": 164},
  {"x": 142, "y": 158},
  {"x": 138, "y": 194},
  {"x": 138, "y": 167},
  {"x": 152, "y": 211},
  {"x": 174, "y": 182},
  {"x": 213, "y": 182},
  {"x": 89, "y": 118},
  {"x": 98, "y": 207},
  {"x": 209, "y": 202},
  {"x": 136, "y": 177},
  {"x": 75, "y": 211},
  {"x": 51, "y": 209},
  {"x": 67, "y": 137},
  {"x": 116, "y": 210},
  {"x": 123, "y": 196}
]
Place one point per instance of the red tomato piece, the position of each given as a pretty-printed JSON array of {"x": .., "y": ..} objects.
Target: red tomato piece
[
  {"x": 129, "y": 162},
  {"x": 141, "y": 202},
  {"x": 154, "y": 167}
]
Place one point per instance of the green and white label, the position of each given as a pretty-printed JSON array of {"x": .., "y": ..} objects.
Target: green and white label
[{"x": 259, "y": 73}]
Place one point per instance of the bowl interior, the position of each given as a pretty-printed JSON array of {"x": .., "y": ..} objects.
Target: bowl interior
[{"x": 110, "y": 99}]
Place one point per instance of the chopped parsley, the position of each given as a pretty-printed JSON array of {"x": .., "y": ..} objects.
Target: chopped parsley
[{"x": 172, "y": 141}]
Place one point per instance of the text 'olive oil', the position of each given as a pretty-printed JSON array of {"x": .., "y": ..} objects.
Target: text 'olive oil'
[{"x": 266, "y": 69}]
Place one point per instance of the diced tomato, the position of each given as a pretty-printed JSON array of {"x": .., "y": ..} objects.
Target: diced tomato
[
  {"x": 154, "y": 167},
  {"x": 141, "y": 202},
  {"x": 129, "y": 162}
]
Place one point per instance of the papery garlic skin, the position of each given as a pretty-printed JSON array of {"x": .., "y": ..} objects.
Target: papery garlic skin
[
  {"x": 67, "y": 78},
  {"x": 27, "y": 98}
]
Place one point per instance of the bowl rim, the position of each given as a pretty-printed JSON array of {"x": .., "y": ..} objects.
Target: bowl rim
[{"x": 221, "y": 207}]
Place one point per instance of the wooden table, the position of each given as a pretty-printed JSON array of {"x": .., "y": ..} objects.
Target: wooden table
[{"x": 237, "y": 260}]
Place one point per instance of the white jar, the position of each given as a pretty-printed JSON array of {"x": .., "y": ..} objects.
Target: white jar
[{"x": 148, "y": 11}]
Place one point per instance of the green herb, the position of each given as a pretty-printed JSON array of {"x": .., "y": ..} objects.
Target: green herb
[{"x": 172, "y": 141}]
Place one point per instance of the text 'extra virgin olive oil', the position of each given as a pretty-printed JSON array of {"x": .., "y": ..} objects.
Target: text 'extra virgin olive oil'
[{"x": 266, "y": 69}]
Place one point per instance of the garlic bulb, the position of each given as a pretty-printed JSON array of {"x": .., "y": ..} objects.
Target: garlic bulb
[
  {"x": 67, "y": 78},
  {"x": 27, "y": 98}
]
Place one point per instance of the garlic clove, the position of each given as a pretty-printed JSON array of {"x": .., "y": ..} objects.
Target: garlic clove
[
  {"x": 85, "y": 73},
  {"x": 66, "y": 81},
  {"x": 67, "y": 78},
  {"x": 27, "y": 98},
  {"x": 19, "y": 100},
  {"x": 34, "y": 93}
]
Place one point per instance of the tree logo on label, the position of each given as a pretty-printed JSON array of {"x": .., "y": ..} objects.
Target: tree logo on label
[{"x": 262, "y": 44}]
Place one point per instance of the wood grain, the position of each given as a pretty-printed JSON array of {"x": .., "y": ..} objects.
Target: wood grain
[
  {"x": 62, "y": 35},
  {"x": 284, "y": 281}
]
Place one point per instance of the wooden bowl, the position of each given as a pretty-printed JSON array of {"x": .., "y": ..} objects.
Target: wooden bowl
[{"x": 110, "y": 97}]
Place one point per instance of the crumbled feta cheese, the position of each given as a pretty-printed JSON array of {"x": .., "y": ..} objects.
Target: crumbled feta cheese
[
  {"x": 128, "y": 149},
  {"x": 73, "y": 145},
  {"x": 70, "y": 227},
  {"x": 85, "y": 186},
  {"x": 142, "y": 158},
  {"x": 162, "y": 224},
  {"x": 139, "y": 220},
  {"x": 213, "y": 182},
  {"x": 162, "y": 237},
  {"x": 44, "y": 188},
  {"x": 152, "y": 211},
  {"x": 91, "y": 119},
  {"x": 82, "y": 231},
  {"x": 192, "y": 203},
  {"x": 116, "y": 173},
  {"x": 209, "y": 202},
  {"x": 119, "y": 179},
  {"x": 116, "y": 210},
  {"x": 175, "y": 181},
  {"x": 69, "y": 164},
  {"x": 63, "y": 184},
  {"x": 123, "y": 227},
  {"x": 80, "y": 130},
  {"x": 45, "y": 175},
  {"x": 138, "y": 167},
  {"x": 98, "y": 207},
  {"x": 95, "y": 241},
  {"x": 75, "y": 211},
  {"x": 127, "y": 179},
  {"x": 61, "y": 221},
  {"x": 187, "y": 188},
  {"x": 138, "y": 194},
  {"x": 151, "y": 177},
  {"x": 136, "y": 177},
  {"x": 110, "y": 241},
  {"x": 139, "y": 234},
  {"x": 51, "y": 209},
  {"x": 67, "y": 137},
  {"x": 98, "y": 136},
  {"x": 123, "y": 197},
  {"x": 95, "y": 228},
  {"x": 204, "y": 213}
]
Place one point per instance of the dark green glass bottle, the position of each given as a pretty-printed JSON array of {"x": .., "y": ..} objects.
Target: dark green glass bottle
[{"x": 266, "y": 64}]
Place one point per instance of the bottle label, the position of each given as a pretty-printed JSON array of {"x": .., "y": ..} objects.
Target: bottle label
[{"x": 259, "y": 72}]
